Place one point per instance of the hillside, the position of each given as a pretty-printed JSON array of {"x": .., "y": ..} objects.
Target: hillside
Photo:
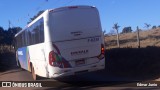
[
  {"x": 129, "y": 61},
  {"x": 147, "y": 38}
]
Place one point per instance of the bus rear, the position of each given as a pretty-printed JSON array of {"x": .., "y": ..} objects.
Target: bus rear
[{"x": 77, "y": 41}]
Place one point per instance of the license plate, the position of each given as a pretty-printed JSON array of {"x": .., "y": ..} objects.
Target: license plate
[{"x": 80, "y": 62}]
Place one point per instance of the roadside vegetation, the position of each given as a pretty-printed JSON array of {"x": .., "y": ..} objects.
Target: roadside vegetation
[
  {"x": 7, "y": 45},
  {"x": 147, "y": 38},
  {"x": 7, "y": 52},
  {"x": 131, "y": 61},
  {"x": 7, "y": 57}
]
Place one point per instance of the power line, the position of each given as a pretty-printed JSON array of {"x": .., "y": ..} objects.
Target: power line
[
  {"x": 40, "y": 6},
  {"x": 10, "y": 24},
  {"x": 31, "y": 12}
]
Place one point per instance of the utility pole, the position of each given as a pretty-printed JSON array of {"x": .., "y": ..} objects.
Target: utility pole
[
  {"x": 138, "y": 41},
  {"x": 117, "y": 38},
  {"x": 116, "y": 28},
  {"x": 9, "y": 23}
]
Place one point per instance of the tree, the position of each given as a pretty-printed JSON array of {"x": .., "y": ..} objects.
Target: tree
[
  {"x": 147, "y": 25},
  {"x": 154, "y": 27},
  {"x": 116, "y": 27},
  {"x": 127, "y": 30},
  {"x": 1, "y": 35},
  {"x": 111, "y": 32},
  {"x": 9, "y": 35}
]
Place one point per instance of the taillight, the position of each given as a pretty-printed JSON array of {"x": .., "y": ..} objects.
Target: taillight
[
  {"x": 101, "y": 56},
  {"x": 56, "y": 60},
  {"x": 52, "y": 58},
  {"x": 102, "y": 49}
]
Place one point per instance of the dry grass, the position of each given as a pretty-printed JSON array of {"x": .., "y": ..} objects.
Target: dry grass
[
  {"x": 7, "y": 57},
  {"x": 128, "y": 60},
  {"x": 147, "y": 38},
  {"x": 6, "y": 48}
]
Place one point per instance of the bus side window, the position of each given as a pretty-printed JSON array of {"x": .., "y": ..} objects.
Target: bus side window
[
  {"x": 37, "y": 34},
  {"x": 23, "y": 39},
  {"x": 41, "y": 31},
  {"x": 32, "y": 35},
  {"x": 26, "y": 37},
  {"x": 29, "y": 37}
]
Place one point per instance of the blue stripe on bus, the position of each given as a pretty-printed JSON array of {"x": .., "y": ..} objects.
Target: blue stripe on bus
[{"x": 23, "y": 57}]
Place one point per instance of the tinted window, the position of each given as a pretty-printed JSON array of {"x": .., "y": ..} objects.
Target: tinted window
[{"x": 32, "y": 35}]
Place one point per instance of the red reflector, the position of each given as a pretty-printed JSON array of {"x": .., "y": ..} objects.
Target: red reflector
[
  {"x": 73, "y": 7},
  {"x": 100, "y": 57}
]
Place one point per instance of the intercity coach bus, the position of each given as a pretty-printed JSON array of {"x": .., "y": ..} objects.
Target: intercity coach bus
[{"x": 61, "y": 42}]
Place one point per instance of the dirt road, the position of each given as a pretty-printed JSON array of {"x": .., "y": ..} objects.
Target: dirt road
[
  {"x": 100, "y": 80},
  {"x": 95, "y": 81}
]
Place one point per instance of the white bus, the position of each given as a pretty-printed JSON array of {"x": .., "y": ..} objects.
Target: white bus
[{"x": 61, "y": 42}]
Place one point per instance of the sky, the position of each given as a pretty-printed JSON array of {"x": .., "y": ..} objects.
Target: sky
[{"x": 124, "y": 12}]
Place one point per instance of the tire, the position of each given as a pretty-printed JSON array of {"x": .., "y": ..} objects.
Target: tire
[
  {"x": 33, "y": 73},
  {"x": 18, "y": 64}
]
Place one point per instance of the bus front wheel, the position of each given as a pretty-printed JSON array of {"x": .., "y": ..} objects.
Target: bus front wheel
[
  {"x": 18, "y": 64},
  {"x": 33, "y": 73}
]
